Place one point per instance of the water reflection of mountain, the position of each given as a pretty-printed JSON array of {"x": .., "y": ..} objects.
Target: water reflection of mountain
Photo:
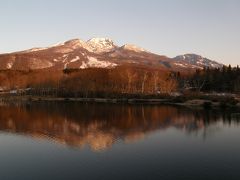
[{"x": 100, "y": 125}]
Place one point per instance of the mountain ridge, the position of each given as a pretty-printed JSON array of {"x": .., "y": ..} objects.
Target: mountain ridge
[{"x": 99, "y": 53}]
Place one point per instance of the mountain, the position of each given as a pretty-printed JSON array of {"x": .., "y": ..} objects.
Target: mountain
[
  {"x": 97, "y": 52},
  {"x": 197, "y": 61}
]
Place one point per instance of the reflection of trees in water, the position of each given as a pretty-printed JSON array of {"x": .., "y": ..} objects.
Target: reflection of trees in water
[
  {"x": 208, "y": 122},
  {"x": 101, "y": 125}
]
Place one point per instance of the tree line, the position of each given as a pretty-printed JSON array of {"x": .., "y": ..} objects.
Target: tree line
[
  {"x": 91, "y": 82},
  {"x": 122, "y": 81},
  {"x": 225, "y": 79}
]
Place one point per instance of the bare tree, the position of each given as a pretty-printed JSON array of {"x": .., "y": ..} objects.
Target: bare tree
[{"x": 145, "y": 75}]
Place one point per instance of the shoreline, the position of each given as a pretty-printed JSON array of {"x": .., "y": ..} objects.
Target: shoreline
[{"x": 192, "y": 103}]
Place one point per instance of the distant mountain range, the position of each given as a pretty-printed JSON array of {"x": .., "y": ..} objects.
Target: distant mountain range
[{"x": 98, "y": 52}]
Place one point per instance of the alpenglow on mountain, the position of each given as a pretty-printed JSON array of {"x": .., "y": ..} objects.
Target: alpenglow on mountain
[{"x": 98, "y": 53}]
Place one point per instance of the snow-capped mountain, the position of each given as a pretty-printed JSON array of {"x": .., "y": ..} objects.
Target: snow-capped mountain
[
  {"x": 197, "y": 61},
  {"x": 97, "y": 52},
  {"x": 100, "y": 45}
]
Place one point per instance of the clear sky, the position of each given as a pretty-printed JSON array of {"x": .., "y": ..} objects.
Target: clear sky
[{"x": 169, "y": 27}]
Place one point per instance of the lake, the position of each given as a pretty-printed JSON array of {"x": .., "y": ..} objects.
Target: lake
[{"x": 113, "y": 141}]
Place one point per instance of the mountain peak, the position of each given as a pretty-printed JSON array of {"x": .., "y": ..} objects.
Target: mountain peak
[
  {"x": 96, "y": 45},
  {"x": 101, "y": 44},
  {"x": 100, "y": 40}
]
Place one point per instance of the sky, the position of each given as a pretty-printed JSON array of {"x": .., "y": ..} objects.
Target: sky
[{"x": 210, "y": 28}]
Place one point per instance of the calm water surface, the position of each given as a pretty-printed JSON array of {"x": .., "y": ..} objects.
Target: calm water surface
[{"x": 99, "y": 141}]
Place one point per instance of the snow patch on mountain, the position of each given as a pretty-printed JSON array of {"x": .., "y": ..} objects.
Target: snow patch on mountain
[
  {"x": 180, "y": 64},
  {"x": 57, "y": 44},
  {"x": 83, "y": 66},
  {"x": 132, "y": 47},
  {"x": 94, "y": 62},
  {"x": 43, "y": 48},
  {"x": 65, "y": 65},
  {"x": 35, "y": 50},
  {"x": 65, "y": 57},
  {"x": 75, "y": 44},
  {"x": 9, "y": 65},
  {"x": 75, "y": 59}
]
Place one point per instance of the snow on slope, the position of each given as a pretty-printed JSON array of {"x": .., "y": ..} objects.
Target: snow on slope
[
  {"x": 94, "y": 62},
  {"x": 75, "y": 59},
  {"x": 35, "y": 49},
  {"x": 132, "y": 47}
]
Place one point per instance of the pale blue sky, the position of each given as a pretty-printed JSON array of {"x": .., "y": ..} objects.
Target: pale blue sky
[{"x": 169, "y": 27}]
